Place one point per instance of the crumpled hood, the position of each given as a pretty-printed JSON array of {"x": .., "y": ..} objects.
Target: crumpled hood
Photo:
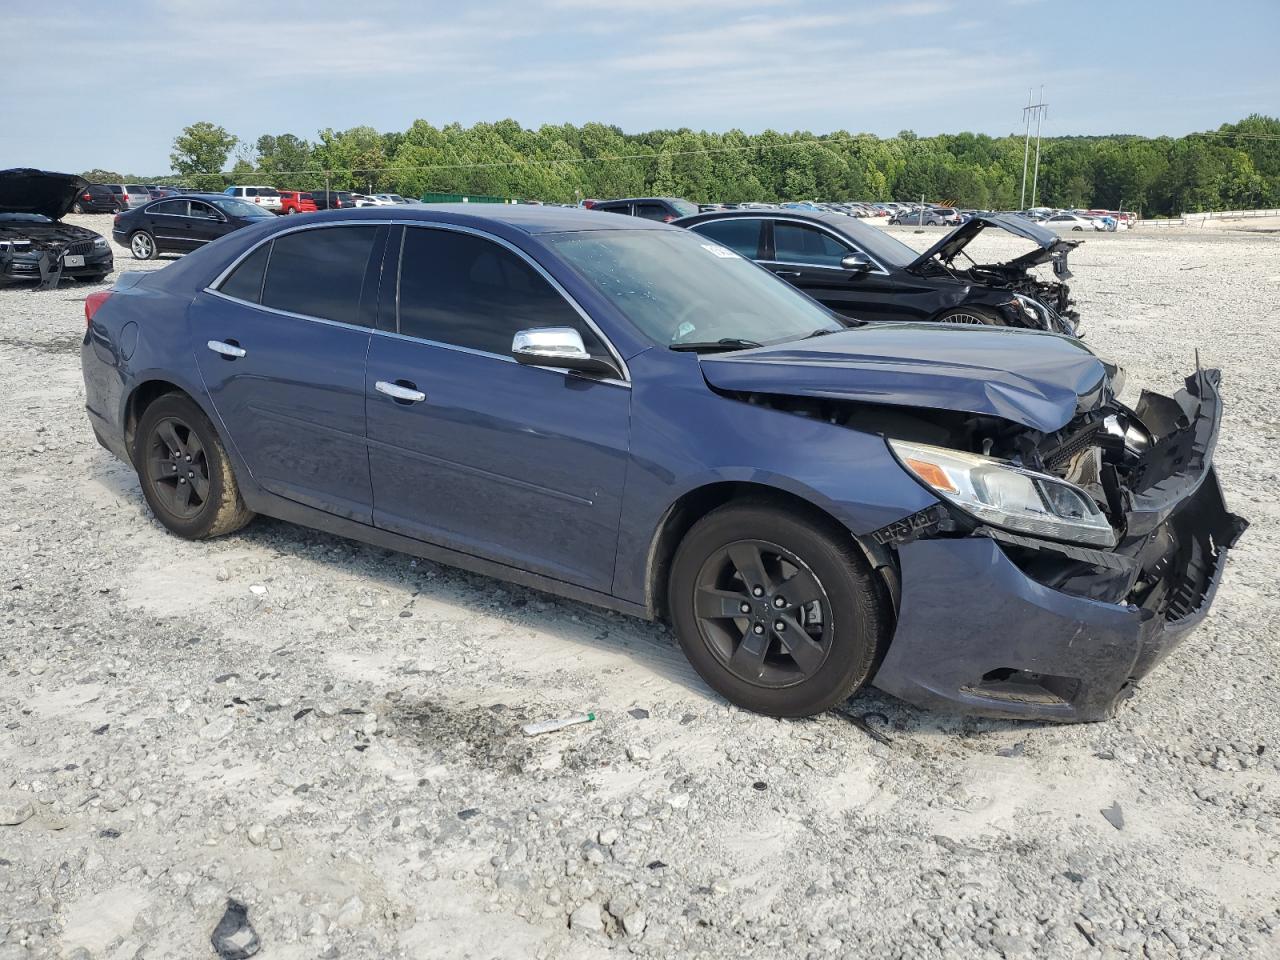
[
  {"x": 1039, "y": 380},
  {"x": 1051, "y": 246},
  {"x": 39, "y": 191}
]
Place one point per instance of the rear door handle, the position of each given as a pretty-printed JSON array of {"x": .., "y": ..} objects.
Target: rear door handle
[
  {"x": 231, "y": 351},
  {"x": 402, "y": 391},
  {"x": 787, "y": 273}
]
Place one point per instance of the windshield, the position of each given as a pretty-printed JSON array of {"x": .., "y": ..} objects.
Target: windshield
[
  {"x": 684, "y": 207},
  {"x": 238, "y": 208},
  {"x": 678, "y": 287},
  {"x": 881, "y": 245}
]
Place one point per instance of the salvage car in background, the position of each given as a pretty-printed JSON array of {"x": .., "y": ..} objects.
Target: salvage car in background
[
  {"x": 634, "y": 416},
  {"x": 34, "y": 244},
  {"x": 1072, "y": 222},
  {"x": 182, "y": 224},
  {"x": 129, "y": 195},
  {"x": 266, "y": 197},
  {"x": 297, "y": 201},
  {"x": 863, "y": 272}
]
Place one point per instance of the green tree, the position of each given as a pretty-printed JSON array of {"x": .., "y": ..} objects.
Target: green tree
[{"x": 200, "y": 152}]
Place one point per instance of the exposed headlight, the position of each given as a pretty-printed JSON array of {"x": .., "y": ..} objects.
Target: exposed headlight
[
  {"x": 1006, "y": 496},
  {"x": 1033, "y": 308},
  {"x": 99, "y": 243}
]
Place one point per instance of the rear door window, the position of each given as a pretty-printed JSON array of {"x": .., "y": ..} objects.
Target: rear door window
[
  {"x": 739, "y": 234},
  {"x": 652, "y": 211},
  {"x": 800, "y": 244},
  {"x": 170, "y": 208},
  {"x": 463, "y": 290},
  {"x": 319, "y": 273}
]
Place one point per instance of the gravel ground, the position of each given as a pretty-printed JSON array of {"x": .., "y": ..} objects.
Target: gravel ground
[{"x": 328, "y": 732}]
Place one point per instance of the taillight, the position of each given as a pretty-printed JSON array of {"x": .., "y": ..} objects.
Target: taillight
[
  {"x": 115, "y": 219},
  {"x": 85, "y": 197},
  {"x": 93, "y": 303}
]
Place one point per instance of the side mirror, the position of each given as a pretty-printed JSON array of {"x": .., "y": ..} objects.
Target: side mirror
[
  {"x": 857, "y": 262},
  {"x": 559, "y": 347}
]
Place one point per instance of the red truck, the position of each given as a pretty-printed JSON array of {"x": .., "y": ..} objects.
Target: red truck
[{"x": 297, "y": 201}]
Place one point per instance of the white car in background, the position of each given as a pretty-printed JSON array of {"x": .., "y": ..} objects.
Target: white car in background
[
  {"x": 1071, "y": 222},
  {"x": 377, "y": 199},
  {"x": 266, "y": 197}
]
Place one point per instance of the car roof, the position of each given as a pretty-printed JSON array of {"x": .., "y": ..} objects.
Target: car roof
[
  {"x": 526, "y": 218},
  {"x": 840, "y": 221}
]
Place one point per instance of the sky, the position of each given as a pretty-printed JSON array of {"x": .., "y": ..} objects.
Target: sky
[{"x": 109, "y": 84}]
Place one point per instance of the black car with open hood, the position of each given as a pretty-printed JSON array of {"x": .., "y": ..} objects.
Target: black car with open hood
[
  {"x": 861, "y": 271},
  {"x": 34, "y": 244}
]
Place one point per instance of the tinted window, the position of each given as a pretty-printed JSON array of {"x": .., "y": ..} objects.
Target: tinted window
[
  {"x": 319, "y": 273},
  {"x": 170, "y": 208},
  {"x": 795, "y": 243},
  {"x": 652, "y": 211},
  {"x": 464, "y": 290},
  {"x": 203, "y": 210},
  {"x": 250, "y": 191},
  {"x": 132, "y": 188},
  {"x": 742, "y": 235},
  {"x": 245, "y": 281},
  {"x": 613, "y": 207}
]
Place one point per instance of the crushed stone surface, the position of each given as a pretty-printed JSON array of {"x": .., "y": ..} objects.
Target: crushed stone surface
[{"x": 341, "y": 751}]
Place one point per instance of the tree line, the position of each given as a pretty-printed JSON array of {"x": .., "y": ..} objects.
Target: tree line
[{"x": 1234, "y": 167}]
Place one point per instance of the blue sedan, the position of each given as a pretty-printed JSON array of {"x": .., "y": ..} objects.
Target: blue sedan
[{"x": 634, "y": 416}]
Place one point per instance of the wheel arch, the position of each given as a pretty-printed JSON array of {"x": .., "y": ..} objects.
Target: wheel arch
[
  {"x": 143, "y": 394},
  {"x": 696, "y": 503}
]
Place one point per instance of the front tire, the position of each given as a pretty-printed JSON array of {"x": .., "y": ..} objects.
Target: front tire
[
  {"x": 184, "y": 471},
  {"x": 775, "y": 612},
  {"x": 975, "y": 316},
  {"x": 142, "y": 245}
]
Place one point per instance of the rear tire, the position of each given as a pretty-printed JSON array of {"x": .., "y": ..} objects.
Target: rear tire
[
  {"x": 796, "y": 633},
  {"x": 77, "y": 207},
  {"x": 184, "y": 471},
  {"x": 142, "y": 245}
]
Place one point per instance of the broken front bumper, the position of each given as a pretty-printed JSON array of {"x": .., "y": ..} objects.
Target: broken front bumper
[{"x": 984, "y": 627}]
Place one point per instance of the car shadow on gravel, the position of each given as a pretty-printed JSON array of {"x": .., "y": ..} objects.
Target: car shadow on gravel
[{"x": 649, "y": 644}]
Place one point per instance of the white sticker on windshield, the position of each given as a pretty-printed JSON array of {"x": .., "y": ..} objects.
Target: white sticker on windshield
[{"x": 724, "y": 253}]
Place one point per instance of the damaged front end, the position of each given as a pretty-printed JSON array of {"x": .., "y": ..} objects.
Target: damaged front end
[
  {"x": 1102, "y": 542},
  {"x": 34, "y": 244},
  {"x": 1049, "y": 300}
]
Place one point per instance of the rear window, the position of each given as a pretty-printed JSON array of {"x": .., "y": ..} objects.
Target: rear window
[{"x": 135, "y": 188}]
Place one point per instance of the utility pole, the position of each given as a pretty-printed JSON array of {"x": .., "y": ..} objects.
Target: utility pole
[
  {"x": 1030, "y": 110},
  {"x": 1041, "y": 109},
  {"x": 1026, "y": 150}
]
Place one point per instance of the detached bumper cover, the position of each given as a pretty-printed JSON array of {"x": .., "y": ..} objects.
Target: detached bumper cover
[{"x": 978, "y": 634}]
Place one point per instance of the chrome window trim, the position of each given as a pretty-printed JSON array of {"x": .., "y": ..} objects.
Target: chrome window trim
[
  {"x": 821, "y": 228},
  {"x": 212, "y": 289}
]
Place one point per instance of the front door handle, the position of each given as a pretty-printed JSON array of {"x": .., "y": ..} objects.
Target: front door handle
[
  {"x": 402, "y": 391},
  {"x": 231, "y": 351},
  {"x": 787, "y": 273}
]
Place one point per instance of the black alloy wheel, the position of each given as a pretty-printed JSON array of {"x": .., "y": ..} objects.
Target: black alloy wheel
[
  {"x": 177, "y": 468},
  {"x": 184, "y": 470},
  {"x": 776, "y": 607},
  {"x": 763, "y": 613}
]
